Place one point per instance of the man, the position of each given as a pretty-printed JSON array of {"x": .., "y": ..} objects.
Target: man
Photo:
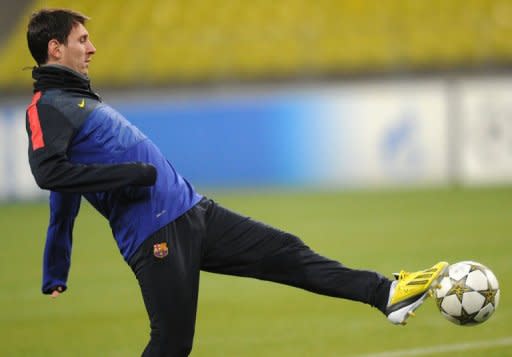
[{"x": 165, "y": 230}]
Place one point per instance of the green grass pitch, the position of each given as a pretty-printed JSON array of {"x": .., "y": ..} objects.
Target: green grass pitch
[{"x": 102, "y": 313}]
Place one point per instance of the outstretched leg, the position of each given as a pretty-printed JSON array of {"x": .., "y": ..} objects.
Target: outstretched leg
[{"x": 238, "y": 245}]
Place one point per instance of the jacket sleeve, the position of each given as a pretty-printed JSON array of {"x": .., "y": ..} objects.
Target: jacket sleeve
[
  {"x": 50, "y": 134},
  {"x": 64, "y": 208}
]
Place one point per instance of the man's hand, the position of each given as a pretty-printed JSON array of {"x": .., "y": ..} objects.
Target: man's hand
[{"x": 56, "y": 292}]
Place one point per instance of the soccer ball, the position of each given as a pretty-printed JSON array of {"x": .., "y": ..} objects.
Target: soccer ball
[{"x": 468, "y": 293}]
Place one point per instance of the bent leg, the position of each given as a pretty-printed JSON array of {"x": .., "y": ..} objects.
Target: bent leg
[{"x": 238, "y": 245}]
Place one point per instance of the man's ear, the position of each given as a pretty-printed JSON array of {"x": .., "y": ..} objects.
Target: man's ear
[{"x": 54, "y": 50}]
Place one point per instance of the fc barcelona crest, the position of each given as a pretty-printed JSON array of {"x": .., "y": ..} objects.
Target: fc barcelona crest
[{"x": 160, "y": 250}]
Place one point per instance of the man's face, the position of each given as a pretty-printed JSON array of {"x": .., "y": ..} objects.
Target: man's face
[{"x": 77, "y": 53}]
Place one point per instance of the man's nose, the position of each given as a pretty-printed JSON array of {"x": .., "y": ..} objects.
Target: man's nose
[{"x": 92, "y": 49}]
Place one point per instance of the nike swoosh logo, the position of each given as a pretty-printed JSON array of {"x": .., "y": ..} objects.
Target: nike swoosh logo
[{"x": 81, "y": 104}]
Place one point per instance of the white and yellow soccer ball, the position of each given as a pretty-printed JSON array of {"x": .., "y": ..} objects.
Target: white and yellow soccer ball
[{"x": 468, "y": 293}]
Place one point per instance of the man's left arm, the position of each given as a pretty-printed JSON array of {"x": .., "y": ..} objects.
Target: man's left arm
[{"x": 64, "y": 208}]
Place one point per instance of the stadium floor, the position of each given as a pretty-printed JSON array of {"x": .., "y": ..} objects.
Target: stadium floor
[{"x": 102, "y": 313}]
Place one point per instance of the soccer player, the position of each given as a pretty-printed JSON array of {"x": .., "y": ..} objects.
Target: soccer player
[{"x": 165, "y": 230}]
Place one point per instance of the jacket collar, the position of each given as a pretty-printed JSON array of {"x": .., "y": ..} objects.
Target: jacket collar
[{"x": 60, "y": 77}]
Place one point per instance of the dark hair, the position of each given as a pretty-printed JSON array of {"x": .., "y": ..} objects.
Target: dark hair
[{"x": 48, "y": 24}]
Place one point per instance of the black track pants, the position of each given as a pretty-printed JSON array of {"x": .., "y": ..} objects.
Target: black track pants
[{"x": 211, "y": 238}]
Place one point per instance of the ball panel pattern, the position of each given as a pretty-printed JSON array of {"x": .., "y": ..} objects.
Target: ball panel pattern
[
  {"x": 485, "y": 313},
  {"x": 458, "y": 271},
  {"x": 477, "y": 280},
  {"x": 493, "y": 281},
  {"x": 451, "y": 305},
  {"x": 472, "y": 302},
  {"x": 468, "y": 293},
  {"x": 446, "y": 285}
]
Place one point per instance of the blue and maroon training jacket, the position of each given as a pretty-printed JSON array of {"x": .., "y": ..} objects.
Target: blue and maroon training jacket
[{"x": 79, "y": 146}]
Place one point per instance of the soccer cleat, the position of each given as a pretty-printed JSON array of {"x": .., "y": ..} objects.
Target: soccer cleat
[{"x": 408, "y": 292}]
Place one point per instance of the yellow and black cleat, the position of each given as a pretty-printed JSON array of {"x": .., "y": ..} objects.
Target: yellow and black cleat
[{"x": 409, "y": 291}]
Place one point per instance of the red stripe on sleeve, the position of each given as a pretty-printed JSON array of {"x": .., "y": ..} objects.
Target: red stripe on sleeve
[{"x": 35, "y": 124}]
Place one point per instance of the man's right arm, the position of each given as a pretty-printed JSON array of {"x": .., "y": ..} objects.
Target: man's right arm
[
  {"x": 50, "y": 134},
  {"x": 64, "y": 208}
]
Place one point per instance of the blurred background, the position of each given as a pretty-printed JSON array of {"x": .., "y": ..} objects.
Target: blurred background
[
  {"x": 370, "y": 128},
  {"x": 291, "y": 93}
]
